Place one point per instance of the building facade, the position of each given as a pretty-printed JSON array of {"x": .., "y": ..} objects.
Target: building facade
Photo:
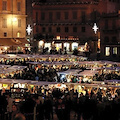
[
  {"x": 69, "y": 23},
  {"x": 110, "y": 30},
  {"x": 12, "y": 25}
]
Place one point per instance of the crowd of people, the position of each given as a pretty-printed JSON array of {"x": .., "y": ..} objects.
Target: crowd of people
[
  {"x": 36, "y": 73},
  {"x": 93, "y": 105},
  {"x": 49, "y": 73}
]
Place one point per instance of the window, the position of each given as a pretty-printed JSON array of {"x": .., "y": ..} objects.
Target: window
[
  {"x": 18, "y": 6},
  {"x": 36, "y": 17},
  {"x": 50, "y": 29},
  {"x": 4, "y": 6},
  {"x": 5, "y": 34},
  {"x": 66, "y": 29},
  {"x": 106, "y": 24},
  {"x": 58, "y": 15},
  {"x": 4, "y": 24},
  {"x": 106, "y": 39},
  {"x": 19, "y": 22},
  {"x": 115, "y": 50},
  {"x": 74, "y": 29},
  {"x": 113, "y": 24},
  {"x": 18, "y": 34},
  {"x": 58, "y": 29},
  {"x": 83, "y": 17},
  {"x": 75, "y": 15},
  {"x": 107, "y": 51},
  {"x": 42, "y": 16},
  {"x": 83, "y": 29},
  {"x": 50, "y": 16},
  {"x": 43, "y": 29},
  {"x": 66, "y": 15},
  {"x": 114, "y": 39}
]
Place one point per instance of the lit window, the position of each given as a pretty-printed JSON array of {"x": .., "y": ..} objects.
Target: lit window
[
  {"x": 107, "y": 51},
  {"x": 74, "y": 45},
  {"x": 18, "y": 34},
  {"x": 66, "y": 46},
  {"x": 115, "y": 50}
]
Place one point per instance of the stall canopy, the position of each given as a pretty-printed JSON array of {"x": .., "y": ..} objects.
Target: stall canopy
[{"x": 88, "y": 73}]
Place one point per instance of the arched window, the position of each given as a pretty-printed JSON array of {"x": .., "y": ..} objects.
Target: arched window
[{"x": 18, "y": 34}]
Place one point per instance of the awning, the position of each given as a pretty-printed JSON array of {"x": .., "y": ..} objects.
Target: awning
[
  {"x": 13, "y": 42},
  {"x": 6, "y": 42},
  {"x": 23, "y": 40}
]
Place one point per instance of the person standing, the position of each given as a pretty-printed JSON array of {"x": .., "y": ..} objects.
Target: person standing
[
  {"x": 48, "y": 108},
  {"x": 39, "y": 110},
  {"x": 60, "y": 109},
  {"x": 9, "y": 105},
  {"x": 14, "y": 111}
]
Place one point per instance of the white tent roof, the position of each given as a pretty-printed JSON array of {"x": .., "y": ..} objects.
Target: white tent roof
[{"x": 88, "y": 73}]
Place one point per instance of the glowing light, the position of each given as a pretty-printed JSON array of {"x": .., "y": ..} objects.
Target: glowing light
[
  {"x": 41, "y": 43},
  {"x": 29, "y": 29},
  {"x": 58, "y": 37},
  {"x": 5, "y": 48},
  {"x": 14, "y": 19},
  {"x": 95, "y": 28}
]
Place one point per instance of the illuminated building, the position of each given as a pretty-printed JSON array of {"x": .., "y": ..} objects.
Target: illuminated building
[
  {"x": 69, "y": 23},
  {"x": 12, "y": 25},
  {"x": 110, "y": 44}
]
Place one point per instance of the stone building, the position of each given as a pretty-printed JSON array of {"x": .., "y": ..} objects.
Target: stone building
[
  {"x": 69, "y": 24},
  {"x": 110, "y": 36},
  {"x": 12, "y": 25}
]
